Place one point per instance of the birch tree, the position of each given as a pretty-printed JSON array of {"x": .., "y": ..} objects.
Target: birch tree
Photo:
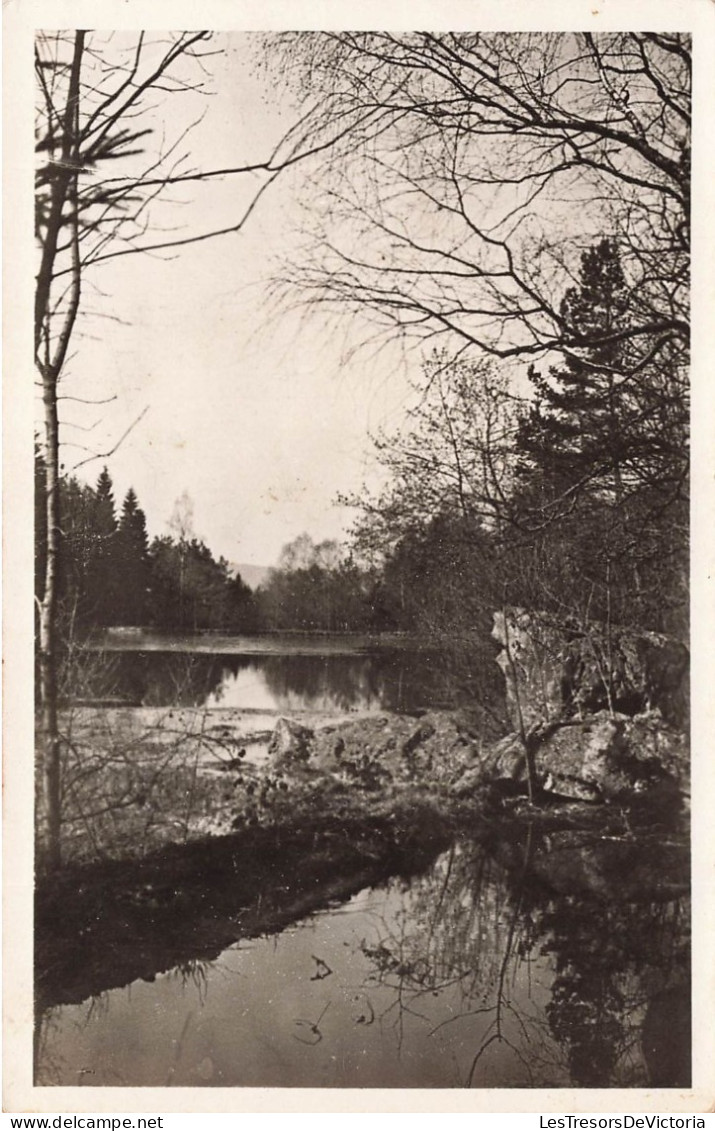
[{"x": 105, "y": 162}]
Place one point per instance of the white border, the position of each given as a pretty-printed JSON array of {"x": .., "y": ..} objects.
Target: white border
[{"x": 21, "y": 17}]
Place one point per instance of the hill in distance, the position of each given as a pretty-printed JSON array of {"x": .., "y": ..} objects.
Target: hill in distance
[{"x": 253, "y": 575}]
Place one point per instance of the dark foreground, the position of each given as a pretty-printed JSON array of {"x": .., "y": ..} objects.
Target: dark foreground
[{"x": 518, "y": 947}]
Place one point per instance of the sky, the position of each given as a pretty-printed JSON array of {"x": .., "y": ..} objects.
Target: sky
[
  {"x": 204, "y": 385},
  {"x": 249, "y": 408}
]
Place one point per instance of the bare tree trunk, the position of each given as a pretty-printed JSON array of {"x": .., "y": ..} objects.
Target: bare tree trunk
[
  {"x": 64, "y": 190},
  {"x": 84, "y": 127},
  {"x": 50, "y": 778}
]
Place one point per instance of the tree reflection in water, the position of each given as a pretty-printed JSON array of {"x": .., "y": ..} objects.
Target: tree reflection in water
[
  {"x": 615, "y": 967},
  {"x": 471, "y": 973},
  {"x": 314, "y": 682},
  {"x": 170, "y": 679},
  {"x": 613, "y": 962},
  {"x": 401, "y": 679}
]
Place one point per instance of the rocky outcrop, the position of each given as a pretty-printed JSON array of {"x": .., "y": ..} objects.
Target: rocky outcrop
[
  {"x": 289, "y": 742},
  {"x": 600, "y": 758},
  {"x": 556, "y": 668},
  {"x": 600, "y": 713},
  {"x": 372, "y": 751},
  {"x": 612, "y": 757},
  {"x": 532, "y": 661}
]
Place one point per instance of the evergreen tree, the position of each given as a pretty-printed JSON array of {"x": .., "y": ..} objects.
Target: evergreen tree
[
  {"x": 78, "y": 555},
  {"x": 604, "y": 464},
  {"x": 102, "y": 571},
  {"x": 242, "y": 609},
  {"x": 190, "y": 590},
  {"x": 606, "y": 422},
  {"x": 164, "y": 583},
  {"x": 581, "y": 428},
  {"x": 105, "y": 517},
  {"x": 132, "y": 563}
]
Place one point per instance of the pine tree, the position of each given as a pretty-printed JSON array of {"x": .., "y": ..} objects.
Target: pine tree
[
  {"x": 102, "y": 571},
  {"x": 582, "y": 428},
  {"x": 78, "y": 556},
  {"x": 132, "y": 563},
  {"x": 603, "y": 459},
  {"x": 609, "y": 420}
]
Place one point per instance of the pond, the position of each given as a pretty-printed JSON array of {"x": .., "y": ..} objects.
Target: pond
[
  {"x": 468, "y": 973},
  {"x": 294, "y": 673}
]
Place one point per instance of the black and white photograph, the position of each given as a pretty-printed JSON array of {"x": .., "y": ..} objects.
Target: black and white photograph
[{"x": 361, "y": 652}]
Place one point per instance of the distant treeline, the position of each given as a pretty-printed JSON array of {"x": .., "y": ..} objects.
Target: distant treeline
[
  {"x": 573, "y": 498},
  {"x": 109, "y": 573}
]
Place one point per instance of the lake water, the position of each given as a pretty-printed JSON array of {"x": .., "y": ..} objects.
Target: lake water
[
  {"x": 329, "y": 674},
  {"x": 469, "y": 974}
]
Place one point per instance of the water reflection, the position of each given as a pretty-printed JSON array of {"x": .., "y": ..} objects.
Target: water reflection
[
  {"x": 471, "y": 974},
  {"x": 397, "y": 679},
  {"x": 289, "y": 683}
]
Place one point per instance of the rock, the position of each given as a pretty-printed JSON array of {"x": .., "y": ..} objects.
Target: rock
[
  {"x": 612, "y": 757},
  {"x": 505, "y": 761},
  {"x": 660, "y": 749},
  {"x": 532, "y": 663},
  {"x": 290, "y": 742},
  {"x": 573, "y": 788},
  {"x": 370, "y": 751},
  {"x": 554, "y": 668},
  {"x": 649, "y": 671},
  {"x": 585, "y": 760},
  {"x": 602, "y": 757}
]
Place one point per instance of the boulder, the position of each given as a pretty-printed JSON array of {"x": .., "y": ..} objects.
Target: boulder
[
  {"x": 612, "y": 757},
  {"x": 603, "y": 757},
  {"x": 505, "y": 760},
  {"x": 585, "y": 760},
  {"x": 502, "y": 763},
  {"x": 659, "y": 747},
  {"x": 556, "y": 668},
  {"x": 290, "y": 742},
  {"x": 648, "y": 671},
  {"x": 371, "y": 751},
  {"x": 532, "y": 661}
]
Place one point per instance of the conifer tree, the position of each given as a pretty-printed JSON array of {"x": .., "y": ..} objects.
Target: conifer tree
[
  {"x": 132, "y": 563},
  {"x": 604, "y": 459},
  {"x": 102, "y": 571},
  {"x": 580, "y": 429},
  {"x": 605, "y": 422}
]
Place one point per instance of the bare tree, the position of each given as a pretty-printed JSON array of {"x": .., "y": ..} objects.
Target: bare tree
[
  {"x": 453, "y": 456},
  {"x": 104, "y": 162},
  {"x": 499, "y": 158},
  {"x": 500, "y": 161}
]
